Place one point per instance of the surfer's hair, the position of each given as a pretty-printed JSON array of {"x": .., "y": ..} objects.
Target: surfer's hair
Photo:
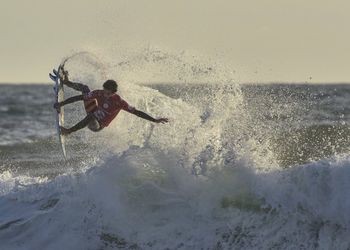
[{"x": 110, "y": 85}]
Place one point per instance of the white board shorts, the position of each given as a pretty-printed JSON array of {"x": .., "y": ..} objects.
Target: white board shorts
[{"x": 94, "y": 125}]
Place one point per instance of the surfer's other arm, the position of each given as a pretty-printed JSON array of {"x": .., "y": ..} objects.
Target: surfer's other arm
[{"x": 69, "y": 100}]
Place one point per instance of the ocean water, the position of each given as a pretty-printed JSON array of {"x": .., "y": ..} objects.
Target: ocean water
[{"x": 239, "y": 166}]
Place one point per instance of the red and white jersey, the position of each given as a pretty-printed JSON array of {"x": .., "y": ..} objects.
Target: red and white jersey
[{"x": 108, "y": 107}]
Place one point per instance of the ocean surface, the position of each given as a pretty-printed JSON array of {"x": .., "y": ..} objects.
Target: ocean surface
[{"x": 239, "y": 166}]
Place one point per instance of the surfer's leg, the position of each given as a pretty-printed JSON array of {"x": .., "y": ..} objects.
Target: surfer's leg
[
  {"x": 77, "y": 86},
  {"x": 63, "y": 75},
  {"x": 82, "y": 124}
]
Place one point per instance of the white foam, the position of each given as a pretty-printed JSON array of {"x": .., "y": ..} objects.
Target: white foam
[{"x": 193, "y": 183}]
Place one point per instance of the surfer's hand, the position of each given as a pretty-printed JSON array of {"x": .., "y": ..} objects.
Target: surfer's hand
[{"x": 162, "y": 120}]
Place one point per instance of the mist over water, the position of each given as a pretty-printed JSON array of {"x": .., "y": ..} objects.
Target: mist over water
[{"x": 237, "y": 167}]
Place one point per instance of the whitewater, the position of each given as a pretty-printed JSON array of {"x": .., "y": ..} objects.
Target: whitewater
[{"x": 237, "y": 167}]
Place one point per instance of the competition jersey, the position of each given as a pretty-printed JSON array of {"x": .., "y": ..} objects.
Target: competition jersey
[{"x": 108, "y": 107}]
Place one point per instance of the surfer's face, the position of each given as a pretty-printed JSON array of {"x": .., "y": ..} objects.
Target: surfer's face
[{"x": 107, "y": 93}]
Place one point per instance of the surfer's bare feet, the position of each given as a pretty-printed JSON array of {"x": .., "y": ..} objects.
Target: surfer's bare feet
[
  {"x": 64, "y": 131},
  {"x": 63, "y": 74}
]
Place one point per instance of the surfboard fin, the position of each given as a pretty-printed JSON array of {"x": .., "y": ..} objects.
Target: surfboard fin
[
  {"x": 55, "y": 72},
  {"x": 53, "y": 78}
]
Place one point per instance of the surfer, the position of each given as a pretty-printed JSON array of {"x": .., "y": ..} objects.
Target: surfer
[{"x": 101, "y": 106}]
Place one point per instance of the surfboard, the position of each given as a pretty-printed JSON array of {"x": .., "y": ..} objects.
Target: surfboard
[{"x": 59, "y": 96}]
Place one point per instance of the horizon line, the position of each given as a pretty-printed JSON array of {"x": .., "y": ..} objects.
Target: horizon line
[{"x": 158, "y": 82}]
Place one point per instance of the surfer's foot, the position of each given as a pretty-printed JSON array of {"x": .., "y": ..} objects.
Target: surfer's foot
[
  {"x": 64, "y": 131},
  {"x": 63, "y": 75}
]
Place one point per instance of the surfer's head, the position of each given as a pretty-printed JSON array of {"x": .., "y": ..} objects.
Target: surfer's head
[{"x": 110, "y": 85}]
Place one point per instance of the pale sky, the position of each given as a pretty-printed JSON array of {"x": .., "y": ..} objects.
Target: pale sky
[{"x": 263, "y": 40}]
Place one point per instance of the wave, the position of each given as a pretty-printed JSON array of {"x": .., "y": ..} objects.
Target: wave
[
  {"x": 144, "y": 199},
  {"x": 209, "y": 179}
]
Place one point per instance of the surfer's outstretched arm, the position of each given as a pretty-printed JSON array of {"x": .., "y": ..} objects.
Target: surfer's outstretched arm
[
  {"x": 69, "y": 100},
  {"x": 145, "y": 116}
]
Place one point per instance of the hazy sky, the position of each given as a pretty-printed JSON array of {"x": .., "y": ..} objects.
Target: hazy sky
[{"x": 265, "y": 40}]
